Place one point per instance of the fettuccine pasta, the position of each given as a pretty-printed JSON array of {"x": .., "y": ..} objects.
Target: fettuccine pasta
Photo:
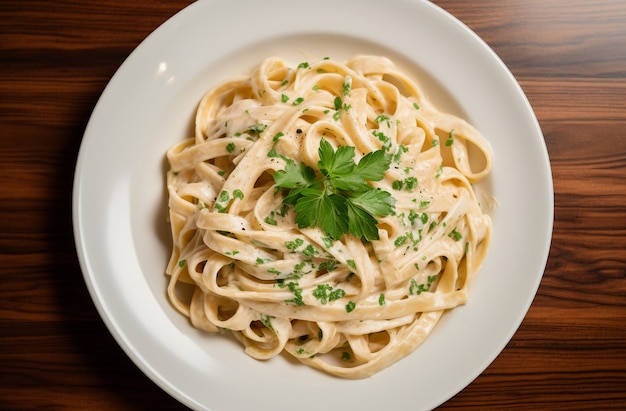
[{"x": 348, "y": 306}]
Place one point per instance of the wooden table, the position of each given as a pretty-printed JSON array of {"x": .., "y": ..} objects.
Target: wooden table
[{"x": 569, "y": 57}]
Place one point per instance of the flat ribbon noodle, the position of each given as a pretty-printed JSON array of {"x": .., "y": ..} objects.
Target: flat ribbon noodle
[{"x": 241, "y": 265}]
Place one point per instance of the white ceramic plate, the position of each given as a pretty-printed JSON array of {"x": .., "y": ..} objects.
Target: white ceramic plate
[{"x": 120, "y": 203}]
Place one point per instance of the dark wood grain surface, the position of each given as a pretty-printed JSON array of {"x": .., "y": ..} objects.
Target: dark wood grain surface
[{"x": 569, "y": 57}]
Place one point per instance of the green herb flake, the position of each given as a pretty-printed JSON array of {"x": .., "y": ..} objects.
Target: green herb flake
[
  {"x": 224, "y": 196},
  {"x": 450, "y": 139},
  {"x": 455, "y": 235},
  {"x": 383, "y": 118},
  {"x": 347, "y": 84},
  {"x": 266, "y": 320},
  {"x": 237, "y": 193},
  {"x": 325, "y": 293},
  {"x": 257, "y": 128},
  {"x": 350, "y": 306},
  {"x": 329, "y": 265},
  {"x": 410, "y": 183},
  {"x": 181, "y": 263},
  {"x": 416, "y": 289},
  {"x": 270, "y": 220},
  {"x": 297, "y": 294},
  {"x": 294, "y": 245},
  {"x": 402, "y": 149},
  {"x": 400, "y": 240},
  {"x": 337, "y": 103},
  {"x": 310, "y": 251},
  {"x": 439, "y": 171},
  {"x": 381, "y": 299}
]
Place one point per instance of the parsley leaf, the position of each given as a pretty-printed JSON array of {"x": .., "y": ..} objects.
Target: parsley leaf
[
  {"x": 361, "y": 224},
  {"x": 325, "y": 293},
  {"x": 376, "y": 202},
  {"x": 339, "y": 199},
  {"x": 372, "y": 167},
  {"x": 294, "y": 175},
  {"x": 338, "y": 163},
  {"x": 316, "y": 208}
]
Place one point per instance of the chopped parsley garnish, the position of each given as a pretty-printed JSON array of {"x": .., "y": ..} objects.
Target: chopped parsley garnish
[
  {"x": 257, "y": 128},
  {"x": 237, "y": 193},
  {"x": 339, "y": 200},
  {"x": 224, "y": 196},
  {"x": 417, "y": 289},
  {"x": 410, "y": 183},
  {"x": 439, "y": 171},
  {"x": 381, "y": 299},
  {"x": 450, "y": 139},
  {"x": 270, "y": 220},
  {"x": 455, "y": 235},
  {"x": 401, "y": 150},
  {"x": 339, "y": 105},
  {"x": 310, "y": 251},
  {"x": 400, "y": 240},
  {"x": 294, "y": 245},
  {"x": 267, "y": 321},
  {"x": 325, "y": 293},
  {"x": 329, "y": 265},
  {"x": 383, "y": 118},
  {"x": 350, "y": 306},
  {"x": 297, "y": 293},
  {"x": 347, "y": 84}
]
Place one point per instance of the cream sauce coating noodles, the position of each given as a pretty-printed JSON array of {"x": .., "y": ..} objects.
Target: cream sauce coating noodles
[{"x": 348, "y": 307}]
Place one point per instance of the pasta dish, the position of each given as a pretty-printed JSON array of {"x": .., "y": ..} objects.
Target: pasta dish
[{"x": 326, "y": 210}]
